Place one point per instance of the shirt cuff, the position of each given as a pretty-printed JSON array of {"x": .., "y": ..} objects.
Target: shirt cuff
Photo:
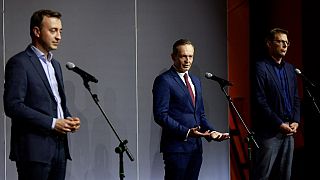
[
  {"x": 187, "y": 135},
  {"x": 53, "y": 123}
]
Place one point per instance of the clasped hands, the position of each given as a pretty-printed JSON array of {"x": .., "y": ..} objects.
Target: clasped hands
[
  {"x": 214, "y": 135},
  {"x": 70, "y": 124},
  {"x": 289, "y": 128}
]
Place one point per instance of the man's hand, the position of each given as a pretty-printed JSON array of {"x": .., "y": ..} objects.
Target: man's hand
[
  {"x": 70, "y": 124},
  {"x": 76, "y": 123},
  {"x": 195, "y": 132},
  {"x": 286, "y": 129},
  {"x": 294, "y": 126},
  {"x": 218, "y": 136}
]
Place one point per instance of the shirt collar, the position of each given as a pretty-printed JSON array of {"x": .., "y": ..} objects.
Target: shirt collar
[
  {"x": 274, "y": 64},
  {"x": 41, "y": 55},
  {"x": 180, "y": 74}
]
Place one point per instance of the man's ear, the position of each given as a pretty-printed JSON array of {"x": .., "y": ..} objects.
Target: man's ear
[
  {"x": 36, "y": 31},
  {"x": 173, "y": 56},
  {"x": 268, "y": 43}
]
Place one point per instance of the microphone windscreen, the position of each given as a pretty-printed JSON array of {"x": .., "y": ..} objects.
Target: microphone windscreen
[
  {"x": 208, "y": 75},
  {"x": 297, "y": 71},
  {"x": 70, "y": 65}
]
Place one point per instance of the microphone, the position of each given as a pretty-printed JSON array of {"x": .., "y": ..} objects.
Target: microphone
[
  {"x": 85, "y": 76},
  {"x": 221, "y": 81},
  {"x": 304, "y": 77}
]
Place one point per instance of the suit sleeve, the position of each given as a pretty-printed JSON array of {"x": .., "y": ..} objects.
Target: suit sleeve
[
  {"x": 161, "y": 102},
  {"x": 18, "y": 97}
]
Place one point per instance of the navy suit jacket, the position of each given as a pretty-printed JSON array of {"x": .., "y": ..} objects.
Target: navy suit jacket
[
  {"x": 174, "y": 112},
  {"x": 30, "y": 103},
  {"x": 269, "y": 108}
]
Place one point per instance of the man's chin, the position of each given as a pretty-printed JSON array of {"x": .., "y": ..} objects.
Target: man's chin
[
  {"x": 53, "y": 48},
  {"x": 186, "y": 69}
]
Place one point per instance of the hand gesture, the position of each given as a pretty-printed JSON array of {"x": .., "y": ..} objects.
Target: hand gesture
[
  {"x": 195, "y": 132},
  {"x": 218, "y": 136}
]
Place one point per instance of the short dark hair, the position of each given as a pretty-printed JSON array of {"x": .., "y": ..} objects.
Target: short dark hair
[
  {"x": 37, "y": 17},
  {"x": 272, "y": 33},
  {"x": 179, "y": 43}
]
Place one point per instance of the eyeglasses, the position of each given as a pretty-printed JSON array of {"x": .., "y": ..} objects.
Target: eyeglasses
[{"x": 282, "y": 42}]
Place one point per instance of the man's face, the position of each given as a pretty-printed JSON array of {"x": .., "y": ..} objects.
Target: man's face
[
  {"x": 279, "y": 46},
  {"x": 183, "y": 59},
  {"x": 49, "y": 34}
]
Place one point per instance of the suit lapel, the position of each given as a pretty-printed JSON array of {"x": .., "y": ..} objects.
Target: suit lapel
[
  {"x": 177, "y": 78},
  {"x": 287, "y": 69},
  {"x": 58, "y": 75},
  {"x": 273, "y": 73},
  {"x": 58, "y": 72},
  {"x": 39, "y": 69},
  {"x": 179, "y": 81}
]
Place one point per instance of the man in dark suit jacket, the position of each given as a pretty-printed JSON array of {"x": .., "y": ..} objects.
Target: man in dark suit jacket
[
  {"x": 276, "y": 110},
  {"x": 178, "y": 108},
  {"x": 35, "y": 101}
]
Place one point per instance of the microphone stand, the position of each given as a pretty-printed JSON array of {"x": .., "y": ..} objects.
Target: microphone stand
[
  {"x": 312, "y": 99},
  {"x": 122, "y": 145},
  {"x": 250, "y": 139}
]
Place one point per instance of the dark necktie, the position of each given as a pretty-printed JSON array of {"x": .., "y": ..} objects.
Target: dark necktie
[{"x": 189, "y": 88}]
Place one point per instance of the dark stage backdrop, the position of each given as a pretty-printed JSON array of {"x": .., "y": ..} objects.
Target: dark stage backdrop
[{"x": 125, "y": 45}]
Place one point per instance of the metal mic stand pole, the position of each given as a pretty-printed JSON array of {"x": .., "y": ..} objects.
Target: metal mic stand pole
[
  {"x": 250, "y": 137},
  {"x": 312, "y": 99},
  {"x": 122, "y": 145}
]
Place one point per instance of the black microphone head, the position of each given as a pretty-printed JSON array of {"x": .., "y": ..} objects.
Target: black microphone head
[
  {"x": 297, "y": 71},
  {"x": 70, "y": 65},
  {"x": 208, "y": 75}
]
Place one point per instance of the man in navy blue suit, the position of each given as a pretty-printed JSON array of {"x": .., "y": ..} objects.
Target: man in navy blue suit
[
  {"x": 178, "y": 108},
  {"x": 35, "y": 101},
  {"x": 276, "y": 110}
]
